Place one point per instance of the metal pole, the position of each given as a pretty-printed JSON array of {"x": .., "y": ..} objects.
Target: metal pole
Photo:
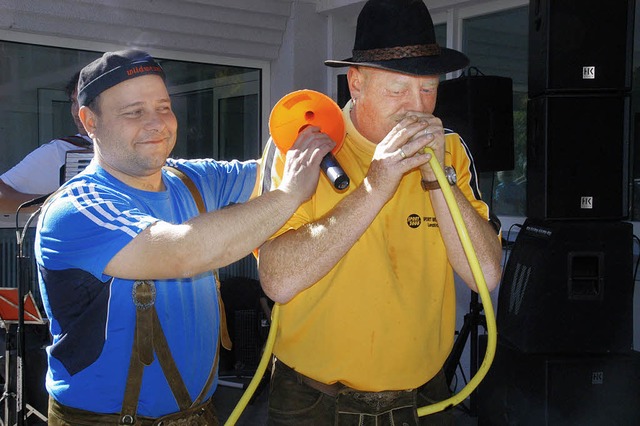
[
  {"x": 23, "y": 280},
  {"x": 20, "y": 358}
]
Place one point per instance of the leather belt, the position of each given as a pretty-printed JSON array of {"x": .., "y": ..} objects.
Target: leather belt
[
  {"x": 334, "y": 389},
  {"x": 204, "y": 414},
  {"x": 327, "y": 389}
]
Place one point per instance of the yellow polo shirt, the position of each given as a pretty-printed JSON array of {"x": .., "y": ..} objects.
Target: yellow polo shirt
[{"x": 384, "y": 317}]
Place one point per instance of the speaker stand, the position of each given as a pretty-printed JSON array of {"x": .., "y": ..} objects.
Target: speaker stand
[
  {"x": 22, "y": 409},
  {"x": 10, "y": 393},
  {"x": 472, "y": 320}
]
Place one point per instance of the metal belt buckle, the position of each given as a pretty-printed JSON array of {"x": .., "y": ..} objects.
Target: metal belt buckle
[
  {"x": 144, "y": 294},
  {"x": 127, "y": 419}
]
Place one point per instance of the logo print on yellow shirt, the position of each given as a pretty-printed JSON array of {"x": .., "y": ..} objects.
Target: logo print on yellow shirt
[{"x": 414, "y": 221}]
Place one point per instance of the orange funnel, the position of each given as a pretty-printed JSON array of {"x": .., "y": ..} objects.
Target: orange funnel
[{"x": 303, "y": 108}]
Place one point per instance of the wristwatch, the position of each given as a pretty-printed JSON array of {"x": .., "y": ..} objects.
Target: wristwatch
[{"x": 450, "y": 174}]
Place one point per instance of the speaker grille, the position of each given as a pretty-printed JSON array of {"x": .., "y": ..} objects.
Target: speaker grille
[
  {"x": 568, "y": 288},
  {"x": 521, "y": 278}
]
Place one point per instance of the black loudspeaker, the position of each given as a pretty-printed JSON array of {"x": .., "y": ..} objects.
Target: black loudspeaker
[
  {"x": 567, "y": 288},
  {"x": 578, "y": 156},
  {"x": 552, "y": 390},
  {"x": 480, "y": 109},
  {"x": 573, "y": 47}
]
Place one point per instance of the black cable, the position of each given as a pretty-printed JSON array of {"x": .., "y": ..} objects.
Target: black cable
[{"x": 508, "y": 246}]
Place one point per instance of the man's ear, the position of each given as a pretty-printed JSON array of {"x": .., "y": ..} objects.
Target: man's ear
[
  {"x": 88, "y": 119},
  {"x": 355, "y": 79}
]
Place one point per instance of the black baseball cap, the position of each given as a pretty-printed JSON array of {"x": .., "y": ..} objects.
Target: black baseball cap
[{"x": 114, "y": 68}]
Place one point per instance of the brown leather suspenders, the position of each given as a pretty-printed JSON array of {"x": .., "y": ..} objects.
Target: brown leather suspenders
[{"x": 149, "y": 337}]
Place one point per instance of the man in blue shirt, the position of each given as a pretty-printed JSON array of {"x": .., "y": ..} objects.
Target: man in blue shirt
[{"x": 125, "y": 259}]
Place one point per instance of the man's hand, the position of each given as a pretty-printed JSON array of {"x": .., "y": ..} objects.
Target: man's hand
[
  {"x": 399, "y": 152},
  {"x": 434, "y": 135},
  {"x": 302, "y": 165}
]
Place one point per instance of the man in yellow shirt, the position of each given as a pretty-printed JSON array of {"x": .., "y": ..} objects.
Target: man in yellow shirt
[{"x": 365, "y": 276}]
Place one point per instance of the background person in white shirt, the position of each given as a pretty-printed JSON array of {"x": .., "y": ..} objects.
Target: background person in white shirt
[{"x": 38, "y": 173}]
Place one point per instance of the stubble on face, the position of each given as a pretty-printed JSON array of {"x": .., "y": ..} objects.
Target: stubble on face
[{"x": 136, "y": 131}]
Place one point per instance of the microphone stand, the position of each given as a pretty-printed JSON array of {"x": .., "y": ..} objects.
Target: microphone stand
[{"x": 22, "y": 273}]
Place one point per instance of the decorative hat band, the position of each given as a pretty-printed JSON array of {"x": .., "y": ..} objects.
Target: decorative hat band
[{"x": 390, "y": 53}]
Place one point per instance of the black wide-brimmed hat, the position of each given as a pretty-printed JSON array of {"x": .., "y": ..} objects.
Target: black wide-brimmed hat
[{"x": 398, "y": 35}]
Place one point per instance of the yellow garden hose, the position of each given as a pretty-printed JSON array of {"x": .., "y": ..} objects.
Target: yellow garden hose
[
  {"x": 484, "y": 297},
  {"x": 481, "y": 284}
]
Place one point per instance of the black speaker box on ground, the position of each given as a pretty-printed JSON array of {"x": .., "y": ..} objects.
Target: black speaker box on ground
[
  {"x": 580, "y": 45},
  {"x": 578, "y": 156},
  {"x": 480, "y": 109},
  {"x": 568, "y": 288},
  {"x": 553, "y": 390}
]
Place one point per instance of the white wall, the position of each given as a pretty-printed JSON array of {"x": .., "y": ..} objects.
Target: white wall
[
  {"x": 299, "y": 64},
  {"x": 234, "y": 28}
]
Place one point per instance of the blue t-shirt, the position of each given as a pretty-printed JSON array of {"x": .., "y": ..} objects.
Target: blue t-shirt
[{"x": 92, "y": 315}]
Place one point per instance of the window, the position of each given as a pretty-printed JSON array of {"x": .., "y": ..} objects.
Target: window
[
  {"x": 217, "y": 106},
  {"x": 441, "y": 34},
  {"x": 496, "y": 44}
]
